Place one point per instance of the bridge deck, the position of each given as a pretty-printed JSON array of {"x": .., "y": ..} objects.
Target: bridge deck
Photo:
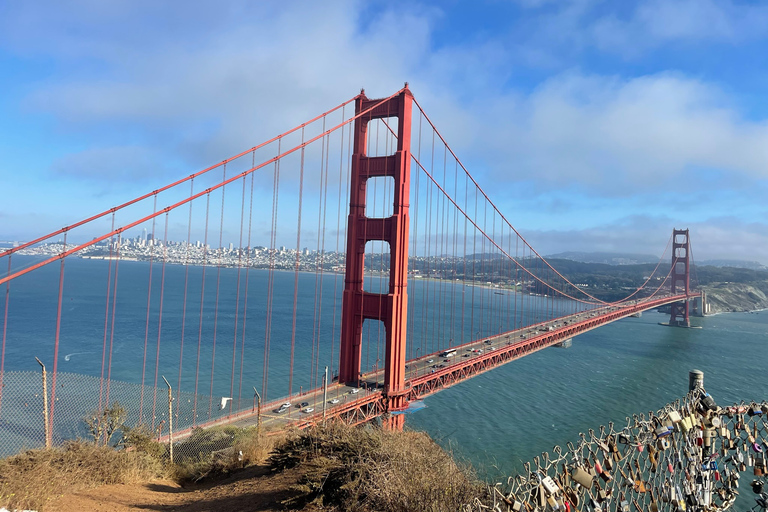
[{"x": 425, "y": 377}]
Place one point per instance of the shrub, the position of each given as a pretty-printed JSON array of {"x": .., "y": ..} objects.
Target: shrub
[
  {"x": 141, "y": 439},
  {"x": 369, "y": 469}
]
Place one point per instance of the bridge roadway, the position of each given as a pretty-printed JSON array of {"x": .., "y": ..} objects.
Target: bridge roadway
[{"x": 430, "y": 373}]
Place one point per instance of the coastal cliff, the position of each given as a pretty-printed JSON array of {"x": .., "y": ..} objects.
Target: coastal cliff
[{"x": 735, "y": 297}]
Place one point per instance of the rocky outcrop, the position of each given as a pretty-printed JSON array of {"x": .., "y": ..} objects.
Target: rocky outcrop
[{"x": 733, "y": 297}]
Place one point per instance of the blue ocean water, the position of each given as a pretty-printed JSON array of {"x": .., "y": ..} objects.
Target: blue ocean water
[
  {"x": 502, "y": 418},
  {"x": 495, "y": 420},
  {"x": 208, "y": 328}
]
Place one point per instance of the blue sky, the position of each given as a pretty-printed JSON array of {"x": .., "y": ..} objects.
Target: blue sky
[{"x": 597, "y": 125}]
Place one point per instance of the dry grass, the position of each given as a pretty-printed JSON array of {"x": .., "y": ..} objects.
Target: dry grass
[
  {"x": 368, "y": 469},
  {"x": 361, "y": 469},
  {"x": 31, "y": 479}
]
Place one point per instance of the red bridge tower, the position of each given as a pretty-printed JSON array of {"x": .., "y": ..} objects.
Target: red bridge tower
[
  {"x": 359, "y": 305},
  {"x": 681, "y": 275}
]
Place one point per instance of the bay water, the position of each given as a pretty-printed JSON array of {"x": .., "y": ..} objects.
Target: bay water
[{"x": 496, "y": 421}]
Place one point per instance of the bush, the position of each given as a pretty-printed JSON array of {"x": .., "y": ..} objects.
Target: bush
[
  {"x": 105, "y": 423},
  {"x": 369, "y": 469},
  {"x": 141, "y": 439}
]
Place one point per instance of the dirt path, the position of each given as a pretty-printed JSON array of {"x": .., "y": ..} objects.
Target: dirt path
[{"x": 252, "y": 489}]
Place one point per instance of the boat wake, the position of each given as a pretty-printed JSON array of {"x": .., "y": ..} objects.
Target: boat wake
[{"x": 68, "y": 356}]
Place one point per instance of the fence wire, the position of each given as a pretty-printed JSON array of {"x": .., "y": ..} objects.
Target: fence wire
[
  {"x": 80, "y": 404},
  {"x": 688, "y": 456}
]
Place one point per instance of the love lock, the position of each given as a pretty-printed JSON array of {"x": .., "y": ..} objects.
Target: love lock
[{"x": 708, "y": 402}]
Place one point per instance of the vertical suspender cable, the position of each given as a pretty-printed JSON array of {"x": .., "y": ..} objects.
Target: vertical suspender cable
[
  {"x": 237, "y": 301},
  {"x": 271, "y": 280},
  {"x": 160, "y": 318},
  {"x": 316, "y": 313},
  {"x": 414, "y": 247},
  {"x": 338, "y": 236},
  {"x": 220, "y": 254},
  {"x": 453, "y": 252},
  {"x": 472, "y": 335},
  {"x": 245, "y": 293},
  {"x": 202, "y": 303},
  {"x": 58, "y": 332},
  {"x": 439, "y": 254},
  {"x": 186, "y": 287},
  {"x": 106, "y": 320},
  {"x": 296, "y": 268},
  {"x": 112, "y": 321},
  {"x": 324, "y": 191},
  {"x": 464, "y": 259},
  {"x": 146, "y": 325}
]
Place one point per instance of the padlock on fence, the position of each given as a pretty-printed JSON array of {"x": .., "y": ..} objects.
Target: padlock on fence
[
  {"x": 582, "y": 477},
  {"x": 549, "y": 485},
  {"x": 708, "y": 402}
]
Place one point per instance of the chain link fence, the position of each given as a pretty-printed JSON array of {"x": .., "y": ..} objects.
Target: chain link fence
[
  {"x": 689, "y": 456},
  {"x": 85, "y": 407}
]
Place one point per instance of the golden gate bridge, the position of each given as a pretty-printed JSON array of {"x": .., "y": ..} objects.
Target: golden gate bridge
[{"x": 384, "y": 262}]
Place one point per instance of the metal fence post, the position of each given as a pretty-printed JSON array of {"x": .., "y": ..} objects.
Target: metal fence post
[
  {"x": 695, "y": 379},
  {"x": 325, "y": 393},
  {"x": 170, "y": 418},
  {"x": 258, "y": 411},
  {"x": 46, "y": 424}
]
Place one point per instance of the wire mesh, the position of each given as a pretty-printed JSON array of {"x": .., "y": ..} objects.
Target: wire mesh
[{"x": 83, "y": 405}]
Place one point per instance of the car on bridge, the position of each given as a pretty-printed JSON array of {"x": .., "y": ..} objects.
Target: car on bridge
[
  {"x": 283, "y": 408},
  {"x": 354, "y": 391}
]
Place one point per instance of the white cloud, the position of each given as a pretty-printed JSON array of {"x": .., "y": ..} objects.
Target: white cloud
[
  {"x": 247, "y": 78},
  {"x": 657, "y": 22},
  {"x": 609, "y": 134}
]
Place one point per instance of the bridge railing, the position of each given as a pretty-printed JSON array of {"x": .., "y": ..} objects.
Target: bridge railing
[{"x": 688, "y": 456}]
